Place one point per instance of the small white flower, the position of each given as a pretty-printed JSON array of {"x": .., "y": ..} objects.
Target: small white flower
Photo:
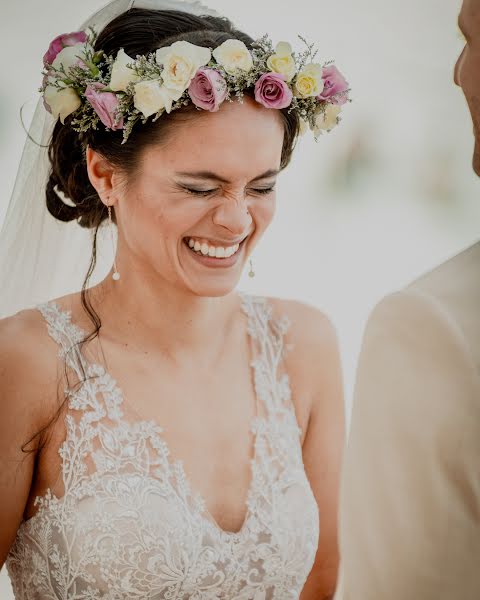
[
  {"x": 62, "y": 101},
  {"x": 325, "y": 121},
  {"x": 180, "y": 63},
  {"x": 151, "y": 97},
  {"x": 69, "y": 56},
  {"x": 282, "y": 61},
  {"x": 309, "y": 82},
  {"x": 233, "y": 55},
  {"x": 303, "y": 127},
  {"x": 121, "y": 74}
]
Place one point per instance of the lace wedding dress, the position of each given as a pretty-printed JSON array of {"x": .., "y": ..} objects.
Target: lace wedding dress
[{"x": 129, "y": 526}]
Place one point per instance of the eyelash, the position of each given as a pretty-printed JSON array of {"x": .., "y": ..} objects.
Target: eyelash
[{"x": 261, "y": 191}]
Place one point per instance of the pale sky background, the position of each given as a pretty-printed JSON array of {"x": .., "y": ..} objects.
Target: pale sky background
[{"x": 382, "y": 199}]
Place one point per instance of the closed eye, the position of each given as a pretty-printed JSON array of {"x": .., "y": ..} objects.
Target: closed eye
[
  {"x": 267, "y": 190},
  {"x": 195, "y": 192},
  {"x": 198, "y": 192}
]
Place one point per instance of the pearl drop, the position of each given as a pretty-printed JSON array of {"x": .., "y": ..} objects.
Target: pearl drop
[{"x": 116, "y": 276}]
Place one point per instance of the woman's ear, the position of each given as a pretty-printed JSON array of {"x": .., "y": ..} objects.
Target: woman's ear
[{"x": 102, "y": 175}]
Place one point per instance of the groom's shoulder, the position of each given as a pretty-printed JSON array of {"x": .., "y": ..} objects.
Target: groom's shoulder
[
  {"x": 442, "y": 304},
  {"x": 455, "y": 287},
  {"x": 454, "y": 282}
]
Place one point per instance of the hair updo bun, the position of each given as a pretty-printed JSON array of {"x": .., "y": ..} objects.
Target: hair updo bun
[{"x": 69, "y": 193}]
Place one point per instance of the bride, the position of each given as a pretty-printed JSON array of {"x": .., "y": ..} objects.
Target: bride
[{"x": 163, "y": 435}]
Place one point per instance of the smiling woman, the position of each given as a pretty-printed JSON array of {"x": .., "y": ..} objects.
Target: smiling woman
[
  {"x": 103, "y": 390},
  {"x": 220, "y": 206}
]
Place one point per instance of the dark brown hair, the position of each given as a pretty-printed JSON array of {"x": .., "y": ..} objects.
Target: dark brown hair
[{"x": 137, "y": 31}]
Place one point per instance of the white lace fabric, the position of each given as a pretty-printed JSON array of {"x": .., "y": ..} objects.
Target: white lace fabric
[{"x": 129, "y": 526}]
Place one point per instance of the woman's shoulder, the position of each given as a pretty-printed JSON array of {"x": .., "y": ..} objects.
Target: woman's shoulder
[
  {"x": 21, "y": 335},
  {"x": 313, "y": 343},
  {"x": 26, "y": 330},
  {"x": 28, "y": 352},
  {"x": 28, "y": 373},
  {"x": 308, "y": 325}
]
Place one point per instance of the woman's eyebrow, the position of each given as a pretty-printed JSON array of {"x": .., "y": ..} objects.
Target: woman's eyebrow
[{"x": 211, "y": 175}]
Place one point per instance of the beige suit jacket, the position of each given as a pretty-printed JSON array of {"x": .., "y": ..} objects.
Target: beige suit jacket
[{"x": 410, "y": 494}]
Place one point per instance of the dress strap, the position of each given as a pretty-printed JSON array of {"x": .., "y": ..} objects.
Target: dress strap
[
  {"x": 94, "y": 393},
  {"x": 66, "y": 334},
  {"x": 60, "y": 326},
  {"x": 268, "y": 331}
]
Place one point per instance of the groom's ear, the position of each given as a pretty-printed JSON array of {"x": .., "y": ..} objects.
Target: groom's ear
[{"x": 103, "y": 176}]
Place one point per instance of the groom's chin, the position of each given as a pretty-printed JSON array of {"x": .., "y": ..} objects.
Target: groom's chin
[{"x": 476, "y": 158}]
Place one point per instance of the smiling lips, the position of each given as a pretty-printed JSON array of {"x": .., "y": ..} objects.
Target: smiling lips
[{"x": 201, "y": 247}]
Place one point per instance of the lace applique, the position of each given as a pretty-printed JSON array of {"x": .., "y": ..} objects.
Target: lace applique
[{"x": 128, "y": 524}]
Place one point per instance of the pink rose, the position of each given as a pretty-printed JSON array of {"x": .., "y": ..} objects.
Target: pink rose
[
  {"x": 61, "y": 42},
  {"x": 105, "y": 105},
  {"x": 335, "y": 88},
  {"x": 272, "y": 91},
  {"x": 208, "y": 89}
]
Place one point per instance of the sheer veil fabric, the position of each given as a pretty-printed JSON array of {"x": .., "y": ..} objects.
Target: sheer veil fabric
[{"x": 42, "y": 258}]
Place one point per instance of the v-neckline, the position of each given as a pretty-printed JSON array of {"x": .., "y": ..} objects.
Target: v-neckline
[{"x": 178, "y": 463}]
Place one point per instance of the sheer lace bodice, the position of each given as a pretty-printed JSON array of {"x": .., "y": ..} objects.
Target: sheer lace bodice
[{"x": 129, "y": 526}]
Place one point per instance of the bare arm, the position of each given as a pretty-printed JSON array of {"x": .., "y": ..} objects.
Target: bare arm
[
  {"x": 319, "y": 371},
  {"x": 21, "y": 389}
]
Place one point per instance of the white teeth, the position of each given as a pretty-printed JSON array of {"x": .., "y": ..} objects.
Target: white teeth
[
  {"x": 213, "y": 251},
  {"x": 230, "y": 251}
]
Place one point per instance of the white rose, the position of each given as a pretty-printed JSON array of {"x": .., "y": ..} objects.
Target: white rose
[
  {"x": 62, "y": 101},
  {"x": 121, "y": 74},
  {"x": 69, "y": 56},
  {"x": 233, "y": 55},
  {"x": 325, "y": 121},
  {"x": 180, "y": 63},
  {"x": 309, "y": 82},
  {"x": 151, "y": 97},
  {"x": 282, "y": 61}
]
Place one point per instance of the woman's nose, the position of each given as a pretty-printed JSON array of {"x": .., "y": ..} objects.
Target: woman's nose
[{"x": 233, "y": 214}]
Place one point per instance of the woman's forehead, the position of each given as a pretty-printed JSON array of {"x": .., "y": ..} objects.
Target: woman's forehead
[{"x": 237, "y": 139}]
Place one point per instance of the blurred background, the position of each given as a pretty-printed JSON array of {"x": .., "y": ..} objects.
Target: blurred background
[{"x": 382, "y": 199}]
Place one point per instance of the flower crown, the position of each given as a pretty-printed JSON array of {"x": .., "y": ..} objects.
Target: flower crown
[{"x": 120, "y": 91}]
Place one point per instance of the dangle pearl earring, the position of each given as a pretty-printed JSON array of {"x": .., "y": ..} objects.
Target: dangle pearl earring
[
  {"x": 251, "y": 273},
  {"x": 116, "y": 274}
]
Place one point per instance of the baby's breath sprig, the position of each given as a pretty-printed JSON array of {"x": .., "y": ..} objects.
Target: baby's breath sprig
[
  {"x": 147, "y": 67},
  {"x": 308, "y": 55},
  {"x": 86, "y": 119}
]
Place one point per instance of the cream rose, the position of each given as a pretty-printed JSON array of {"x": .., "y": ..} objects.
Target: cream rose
[
  {"x": 70, "y": 56},
  {"x": 282, "y": 61},
  {"x": 151, "y": 97},
  {"x": 325, "y": 121},
  {"x": 62, "y": 101},
  {"x": 180, "y": 63},
  {"x": 122, "y": 75},
  {"x": 233, "y": 55},
  {"x": 309, "y": 82}
]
